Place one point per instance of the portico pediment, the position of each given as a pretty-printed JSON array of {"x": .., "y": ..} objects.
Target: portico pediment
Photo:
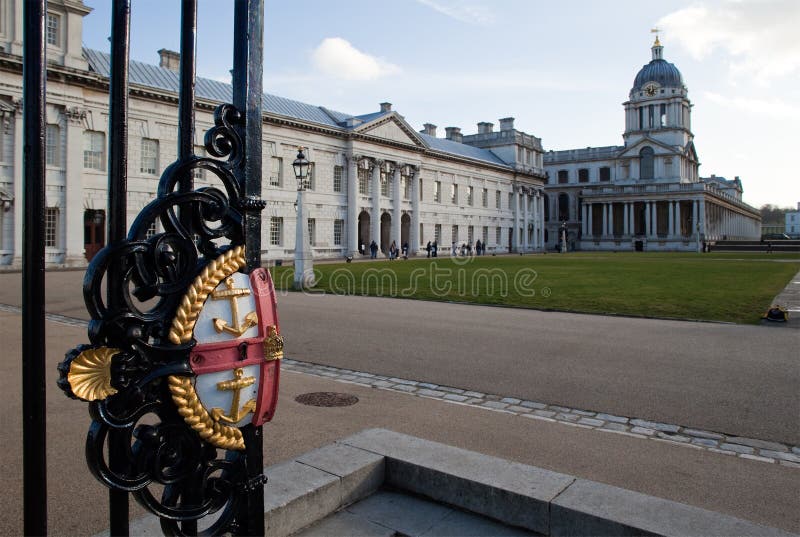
[
  {"x": 659, "y": 148},
  {"x": 392, "y": 128}
]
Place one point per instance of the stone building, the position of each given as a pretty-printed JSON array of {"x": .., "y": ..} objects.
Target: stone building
[
  {"x": 373, "y": 176},
  {"x": 646, "y": 194}
]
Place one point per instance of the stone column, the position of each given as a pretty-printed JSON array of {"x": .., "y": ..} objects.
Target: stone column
[
  {"x": 584, "y": 213},
  {"x": 604, "y": 231},
  {"x": 73, "y": 192},
  {"x": 590, "y": 223},
  {"x": 678, "y": 223},
  {"x": 18, "y": 186},
  {"x": 352, "y": 202},
  {"x": 647, "y": 219},
  {"x": 670, "y": 219},
  {"x": 611, "y": 219},
  {"x": 525, "y": 199},
  {"x": 396, "y": 230},
  {"x": 517, "y": 238},
  {"x": 701, "y": 217},
  {"x": 413, "y": 244},
  {"x": 626, "y": 230},
  {"x": 376, "y": 203},
  {"x": 542, "y": 245},
  {"x": 695, "y": 228}
]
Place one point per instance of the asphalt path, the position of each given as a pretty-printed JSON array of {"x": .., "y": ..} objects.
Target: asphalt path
[{"x": 734, "y": 379}]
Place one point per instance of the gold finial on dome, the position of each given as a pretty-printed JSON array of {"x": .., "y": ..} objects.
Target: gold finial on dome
[{"x": 656, "y": 31}]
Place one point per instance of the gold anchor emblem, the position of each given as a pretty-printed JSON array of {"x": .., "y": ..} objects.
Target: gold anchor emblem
[
  {"x": 232, "y": 294},
  {"x": 235, "y": 385}
]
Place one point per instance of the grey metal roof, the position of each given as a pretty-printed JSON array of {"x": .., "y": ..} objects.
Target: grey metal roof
[
  {"x": 462, "y": 150},
  {"x": 153, "y": 76}
]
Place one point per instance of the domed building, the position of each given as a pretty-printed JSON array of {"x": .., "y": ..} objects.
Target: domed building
[{"x": 646, "y": 194}]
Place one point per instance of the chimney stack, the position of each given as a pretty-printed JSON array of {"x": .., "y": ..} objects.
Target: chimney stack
[
  {"x": 429, "y": 129},
  {"x": 170, "y": 60},
  {"x": 507, "y": 124},
  {"x": 386, "y": 107},
  {"x": 485, "y": 127},
  {"x": 453, "y": 133}
]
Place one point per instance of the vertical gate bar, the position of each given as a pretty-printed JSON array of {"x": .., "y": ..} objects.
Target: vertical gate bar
[
  {"x": 34, "y": 462},
  {"x": 186, "y": 96},
  {"x": 248, "y": 52},
  {"x": 117, "y": 217}
]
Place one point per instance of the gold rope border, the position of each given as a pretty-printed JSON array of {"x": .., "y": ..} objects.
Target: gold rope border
[{"x": 182, "y": 389}]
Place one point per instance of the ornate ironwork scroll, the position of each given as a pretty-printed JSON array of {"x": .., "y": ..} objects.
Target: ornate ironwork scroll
[{"x": 183, "y": 362}]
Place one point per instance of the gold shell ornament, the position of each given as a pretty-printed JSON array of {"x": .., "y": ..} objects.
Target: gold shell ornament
[{"x": 89, "y": 374}]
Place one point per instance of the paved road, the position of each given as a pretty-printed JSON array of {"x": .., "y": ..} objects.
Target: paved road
[{"x": 740, "y": 380}]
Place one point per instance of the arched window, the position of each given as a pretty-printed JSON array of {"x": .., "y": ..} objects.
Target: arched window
[{"x": 646, "y": 168}]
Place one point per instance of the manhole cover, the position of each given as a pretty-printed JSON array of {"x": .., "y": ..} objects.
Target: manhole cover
[{"x": 326, "y": 399}]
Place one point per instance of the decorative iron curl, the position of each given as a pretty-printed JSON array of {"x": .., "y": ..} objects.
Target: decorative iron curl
[{"x": 155, "y": 271}]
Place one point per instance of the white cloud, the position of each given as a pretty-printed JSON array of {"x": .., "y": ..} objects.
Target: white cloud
[
  {"x": 774, "y": 108},
  {"x": 337, "y": 58},
  {"x": 759, "y": 36},
  {"x": 458, "y": 10}
]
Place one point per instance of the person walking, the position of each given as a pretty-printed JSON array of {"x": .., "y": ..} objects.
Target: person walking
[
  {"x": 392, "y": 251},
  {"x": 435, "y": 248},
  {"x": 428, "y": 248},
  {"x": 373, "y": 250}
]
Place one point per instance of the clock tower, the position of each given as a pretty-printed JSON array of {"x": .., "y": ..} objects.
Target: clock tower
[{"x": 658, "y": 121}]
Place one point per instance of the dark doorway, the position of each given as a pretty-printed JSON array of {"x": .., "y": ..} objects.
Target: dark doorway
[
  {"x": 363, "y": 232},
  {"x": 94, "y": 232},
  {"x": 638, "y": 246},
  {"x": 405, "y": 230},
  {"x": 386, "y": 232}
]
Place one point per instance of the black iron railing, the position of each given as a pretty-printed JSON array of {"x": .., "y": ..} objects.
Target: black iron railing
[{"x": 145, "y": 293}]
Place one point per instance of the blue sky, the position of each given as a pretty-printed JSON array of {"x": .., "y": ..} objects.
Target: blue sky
[{"x": 562, "y": 69}]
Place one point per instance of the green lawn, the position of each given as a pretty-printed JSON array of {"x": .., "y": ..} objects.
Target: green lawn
[{"x": 734, "y": 287}]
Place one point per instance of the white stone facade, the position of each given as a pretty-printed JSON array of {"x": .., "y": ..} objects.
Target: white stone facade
[
  {"x": 793, "y": 223},
  {"x": 646, "y": 194},
  {"x": 403, "y": 169}
]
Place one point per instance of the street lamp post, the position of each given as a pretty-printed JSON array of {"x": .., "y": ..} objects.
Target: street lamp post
[{"x": 303, "y": 258}]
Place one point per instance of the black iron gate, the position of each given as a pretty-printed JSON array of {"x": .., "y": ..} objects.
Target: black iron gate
[{"x": 144, "y": 293}]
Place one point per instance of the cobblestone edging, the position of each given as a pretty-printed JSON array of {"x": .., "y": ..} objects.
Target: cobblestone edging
[{"x": 746, "y": 448}]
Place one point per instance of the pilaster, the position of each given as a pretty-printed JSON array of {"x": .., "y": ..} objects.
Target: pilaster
[
  {"x": 73, "y": 195},
  {"x": 352, "y": 202},
  {"x": 375, "y": 221}
]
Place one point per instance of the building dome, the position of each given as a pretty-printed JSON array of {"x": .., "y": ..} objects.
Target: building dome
[{"x": 658, "y": 70}]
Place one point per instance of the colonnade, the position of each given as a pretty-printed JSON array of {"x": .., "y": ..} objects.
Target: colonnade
[{"x": 528, "y": 232}]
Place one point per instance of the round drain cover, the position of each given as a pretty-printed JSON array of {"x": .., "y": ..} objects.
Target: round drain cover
[{"x": 326, "y": 399}]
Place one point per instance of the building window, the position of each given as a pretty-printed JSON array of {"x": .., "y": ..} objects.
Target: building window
[
  {"x": 485, "y": 234},
  {"x": 563, "y": 207},
  {"x": 199, "y": 173},
  {"x": 454, "y": 193},
  {"x": 94, "y": 144},
  {"x": 497, "y": 199},
  {"x": 641, "y": 117},
  {"x": 51, "y": 227},
  {"x": 498, "y": 233},
  {"x": 312, "y": 231},
  {"x": 53, "y": 29},
  {"x": 338, "y": 228},
  {"x": 310, "y": 182},
  {"x": 276, "y": 231},
  {"x": 437, "y": 233},
  {"x": 338, "y": 174},
  {"x": 276, "y": 171},
  {"x": 405, "y": 182},
  {"x": 563, "y": 177},
  {"x": 384, "y": 183},
  {"x": 651, "y": 121},
  {"x": 583, "y": 175},
  {"x": 646, "y": 163},
  {"x": 605, "y": 174},
  {"x": 663, "y": 115},
  {"x": 151, "y": 230},
  {"x": 149, "y": 162},
  {"x": 420, "y": 191},
  {"x": 454, "y": 234},
  {"x": 510, "y": 201},
  {"x": 546, "y": 203},
  {"x": 53, "y": 145},
  {"x": 470, "y": 234},
  {"x": 470, "y": 195},
  {"x": 485, "y": 197},
  {"x": 437, "y": 191},
  {"x": 363, "y": 181}
]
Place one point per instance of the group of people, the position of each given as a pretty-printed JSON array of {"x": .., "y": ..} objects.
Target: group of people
[
  {"x": 393, "y": 252},
  {"x": 466, "y": 249},
  {"x": 432, "y": 249}
]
